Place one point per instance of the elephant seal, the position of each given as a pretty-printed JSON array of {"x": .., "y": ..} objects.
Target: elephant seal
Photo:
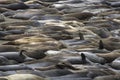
[
  {"x": 116, "y": 63},
  {"x": 56, "y": 72},
  {"x": 16, "y": 6},
  {"x": 80, "y": 16},
  {"x": 22, "y": 77},
  {"x": 93, "y": 58},
  {"x": 109, "y": 77},
  {"x": 16, "y": 27},
  {"x": 111, "y": 43},
  {"x": 113, "y": 4},
  {"x": 37, "y": 50},
  {"x": 101, "y": 32},
  {"x": 17, "y": 56},
  {"x": 16, "y": 31},
  {"x": 14, "y": 36},
  {"x": 2, "y": 10},
  {"x": 59, "y": 78},
  {"x": 5, "y": 61},
  {"x": 8, "y": 1},
  {"x": 77, "y": 60},
  {"x": 27, "y": 14},
  {"x": 60, "y": 65},
  {"x": 109, "y": 57},
  {"x": 32, "y": 39},
  {"x": 9, "y": 48},
  {"x": 4, "y": 33},
  {"x": 15, "y": 67},
  {"x": 100, "y": 70},
  {"x": 2, "y": 18},
  {"x": 101, "y": 49}
]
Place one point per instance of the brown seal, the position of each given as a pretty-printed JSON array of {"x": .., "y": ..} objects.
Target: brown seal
[{"x": 109, "y": 57}]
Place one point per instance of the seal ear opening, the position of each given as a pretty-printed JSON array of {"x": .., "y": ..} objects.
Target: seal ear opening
[
  {"x": 101, "y": 45},
  {"x": 81, "y": 36}
]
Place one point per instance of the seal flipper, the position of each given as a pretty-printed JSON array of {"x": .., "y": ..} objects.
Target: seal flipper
[
  {"x": 83, "y": 58},
  {"x": 24, "y": 56},
  {"x": 21, "y": 54},
  {"x": 101, "y": 45},
  {"x": 81, "y": 36}
]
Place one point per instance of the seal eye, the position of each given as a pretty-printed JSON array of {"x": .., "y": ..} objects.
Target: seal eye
[{"x": 101, "y": 45}]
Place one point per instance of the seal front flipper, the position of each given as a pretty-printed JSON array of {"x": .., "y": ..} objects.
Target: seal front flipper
[
  {"x": 81, "y": 36},
  {"x": 24, "y": 56},
  {"x": 101, "y": 45}
]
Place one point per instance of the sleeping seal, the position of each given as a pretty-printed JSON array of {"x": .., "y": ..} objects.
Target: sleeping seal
[
  {"x": 116, "y": 64},
  {"x": 80, "y": 16},
  {"x": 14, "y": 67},
  {"x": 60, "y": 65},
  {"x": 5, "y": 61},
  {"x": 16, "y": 6},
  {"x": 22, "y": 77},
  {"x": 109, "y": 77},
  {"x": 109, "y": 57}
]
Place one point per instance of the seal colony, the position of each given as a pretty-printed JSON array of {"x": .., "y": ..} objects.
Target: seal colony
[{"x": 59, "y": 40}]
